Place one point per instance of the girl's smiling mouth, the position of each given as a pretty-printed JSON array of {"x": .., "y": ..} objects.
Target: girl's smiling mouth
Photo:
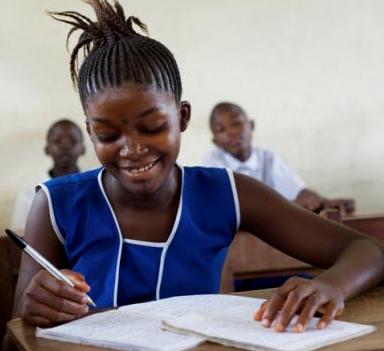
[{"x": 138, "y": 170}]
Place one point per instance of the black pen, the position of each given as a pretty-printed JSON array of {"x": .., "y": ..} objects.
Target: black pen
[{"x": 31, "y": 252}]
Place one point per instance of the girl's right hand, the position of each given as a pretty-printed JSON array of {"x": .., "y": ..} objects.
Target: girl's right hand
[{"x": 48, "y": 301}]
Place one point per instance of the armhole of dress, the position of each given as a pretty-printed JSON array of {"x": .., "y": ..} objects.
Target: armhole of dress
[
  {"x": 235, "y": 196},
  {"x": 51, "y": 213}
]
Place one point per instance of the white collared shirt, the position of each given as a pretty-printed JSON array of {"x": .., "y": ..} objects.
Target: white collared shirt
[
  {"x": 263, "y": 165},
  {"x": 23, "y": 203}
]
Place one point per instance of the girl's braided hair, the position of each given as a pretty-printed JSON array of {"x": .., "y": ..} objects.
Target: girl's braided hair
[{"x": 114, "y": 53}]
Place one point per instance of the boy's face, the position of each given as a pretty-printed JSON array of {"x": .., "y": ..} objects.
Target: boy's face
[
  {"x": 232, "y": 131},
  {"x": 136, "y": 133},
  {"x": 65, "y": 145}
]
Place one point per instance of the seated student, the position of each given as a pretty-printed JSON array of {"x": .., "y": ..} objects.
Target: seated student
[
  {"x": 64, "y": 144},
  {"x": 232, "y": 134},
  {"x": 141, "y": 227}
]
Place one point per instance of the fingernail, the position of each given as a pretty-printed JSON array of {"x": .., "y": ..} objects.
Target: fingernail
[
  {"x": 298, "y": 328},
  {"x": 279, "y": 327},
  {"x": 321, "y": 325},
  {"x": 84, "y": 299},
  {"x": 265, "y": 323}
]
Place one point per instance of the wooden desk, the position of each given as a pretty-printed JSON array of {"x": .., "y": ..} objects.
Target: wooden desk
[
  {"x": 369, "y": 224},
  {"x": 250, "y": 258},
  {"x": 367, "y": 308}
]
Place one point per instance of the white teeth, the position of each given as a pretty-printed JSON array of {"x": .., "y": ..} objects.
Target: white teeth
[{"x": 142, "y": 169}]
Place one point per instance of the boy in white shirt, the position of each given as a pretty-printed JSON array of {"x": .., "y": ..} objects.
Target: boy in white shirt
[{"x": 232, "y": 135}]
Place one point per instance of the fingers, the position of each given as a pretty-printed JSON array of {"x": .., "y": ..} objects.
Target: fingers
[
  {"x": 78, "y": 279},
  {"x": 302, "y": 296},
  {"x": 43, "y": 315},
  {"x": 346, "y": 206},
  {"x": 45, "y": 282},
  {"x": 48, "y": 300},
  {"x": 260, "y": 312},
  {"x": 312, "y": 305},
  {"x": 276, "y": 302},
  {"x": 294, "y": 300},
  {"x": 332, "y": 310}
]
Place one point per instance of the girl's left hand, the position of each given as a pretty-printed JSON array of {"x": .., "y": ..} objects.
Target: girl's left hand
[{"x": 304, "y": 297}]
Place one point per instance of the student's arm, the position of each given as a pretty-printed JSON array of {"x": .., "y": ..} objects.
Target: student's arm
[
  {"x": 41, "y": 299},
  {"x": 354, "y": 261}
]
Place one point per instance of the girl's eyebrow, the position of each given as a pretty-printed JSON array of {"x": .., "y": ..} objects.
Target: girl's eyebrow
[
  {"x": 100, "y": 120},
  {"x": 149, "y": 111},
  {"x": 140, "y": 115}
]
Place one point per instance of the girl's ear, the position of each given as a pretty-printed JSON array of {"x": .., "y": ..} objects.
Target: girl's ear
[
  {"x": 185, "y": 115},
  {"x": 252, "y": 123}
]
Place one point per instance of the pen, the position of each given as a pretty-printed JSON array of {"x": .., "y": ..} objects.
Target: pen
[{"x": 31, "y": 252}]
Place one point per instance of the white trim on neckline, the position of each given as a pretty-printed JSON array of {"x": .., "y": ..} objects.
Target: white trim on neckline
[
  {"x": 120, "y": 237},
  {"x": 144, "y": 243},
  {"x": 163, "y": 245},
  {"x": 171, "y": 236}
]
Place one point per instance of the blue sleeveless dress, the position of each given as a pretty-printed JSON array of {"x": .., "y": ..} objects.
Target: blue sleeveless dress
[{"x": 124, "y": 271}]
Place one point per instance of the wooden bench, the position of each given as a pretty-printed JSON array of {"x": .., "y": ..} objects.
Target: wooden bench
[{"x": 9, "y": 263}]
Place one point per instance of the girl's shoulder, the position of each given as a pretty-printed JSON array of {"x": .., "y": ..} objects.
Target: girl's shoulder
[
  {"x": 207, "y": 175},
  {"x": 74, "y": 178}
]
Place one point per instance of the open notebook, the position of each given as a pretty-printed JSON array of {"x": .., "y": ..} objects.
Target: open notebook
[{"x": 226, "y": 319}]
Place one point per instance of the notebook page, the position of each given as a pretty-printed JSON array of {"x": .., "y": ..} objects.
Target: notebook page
[
  {"x": 236, "y": 327},
  {"x": 181, "y": 305},
  {"x": 122, "y": 332},
  {"x": 139, "y": 325}
]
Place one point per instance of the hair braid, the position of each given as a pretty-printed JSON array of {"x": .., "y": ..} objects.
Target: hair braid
[{"x": 114, "y": 53}]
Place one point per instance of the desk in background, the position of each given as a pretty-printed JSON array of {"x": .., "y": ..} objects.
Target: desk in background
[
  {"x": 250, "y": 258},
  {"x": 367, "y": 308}
]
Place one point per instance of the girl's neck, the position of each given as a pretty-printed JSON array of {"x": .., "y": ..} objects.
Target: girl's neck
[
  {"x": 166, "y": 195},
  {"x": 57, "y": 172}
]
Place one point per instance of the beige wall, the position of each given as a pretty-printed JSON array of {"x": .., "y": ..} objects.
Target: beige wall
[{"x": 310, "y": 72}]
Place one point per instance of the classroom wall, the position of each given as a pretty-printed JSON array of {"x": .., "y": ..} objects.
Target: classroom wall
[{"x": 310, "y": 73}]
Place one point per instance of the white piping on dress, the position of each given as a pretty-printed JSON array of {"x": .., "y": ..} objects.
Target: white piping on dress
[
  {"x": 145, "y": 243},
  {"x": 235, "y": 196},
  {"x": 99, "y": 179},
  {"x": 51, "y": 213},
  {"x": 170, "y": 238}
]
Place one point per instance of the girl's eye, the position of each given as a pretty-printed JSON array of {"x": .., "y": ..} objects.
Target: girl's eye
[
  {"x": 107, "y": 138},
  {"x": 154, "y": 129}
]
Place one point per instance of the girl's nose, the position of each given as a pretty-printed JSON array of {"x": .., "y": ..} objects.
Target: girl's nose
[{"x": 132, "y": 149}]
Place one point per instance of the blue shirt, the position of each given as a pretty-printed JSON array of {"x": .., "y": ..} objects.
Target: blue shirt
[{"x": 124, "y": 271}]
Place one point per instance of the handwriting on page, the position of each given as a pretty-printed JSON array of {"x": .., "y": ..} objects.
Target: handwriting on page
[{"x": 123, "y": 332}]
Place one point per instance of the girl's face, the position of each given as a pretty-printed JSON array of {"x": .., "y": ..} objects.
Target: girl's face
[{"x": 136, "y": 131}]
